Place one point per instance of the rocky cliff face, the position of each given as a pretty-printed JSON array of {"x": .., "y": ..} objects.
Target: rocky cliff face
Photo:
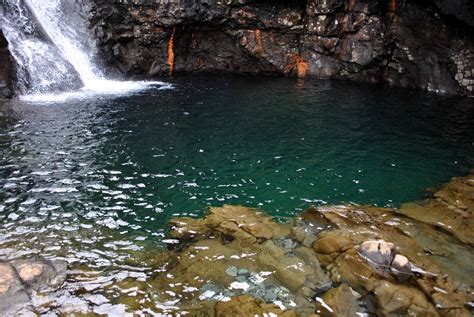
[
  {"x": 425, "y": 44},
  {"x": 7, "y": 71}
]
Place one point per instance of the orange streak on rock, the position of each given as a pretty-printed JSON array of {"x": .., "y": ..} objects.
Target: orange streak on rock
[
  {"x": 393, "y": 5},
  {"x": 297, "y": 64},
  {"x": 171, "y": 52},
  {"x": 258, "y": 41},
  {"x": 352, "y": 4}
]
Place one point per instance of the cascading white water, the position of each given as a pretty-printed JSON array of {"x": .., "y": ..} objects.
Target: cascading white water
[
  {"x": 57, "y": 26},
  {"x": 40, "y": 65},
  {"x": 51, "y": 46}
]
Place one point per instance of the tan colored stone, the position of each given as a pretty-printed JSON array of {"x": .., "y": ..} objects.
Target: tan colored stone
[
  {"x": 29, "y": 271},
  {"x": 340, "y": 301},
  {"x": 333, "y": 241},
  {"x": 452, "y": 211},
  {"x": 6, "y": 277},
  {"x": 395, "y": 299},
  {"x": 290, "y": 271},
  {"x": 350, "y": 269},
  {"x": 246, "y": 224}
]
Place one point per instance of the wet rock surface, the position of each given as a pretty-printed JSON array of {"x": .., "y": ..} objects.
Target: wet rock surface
[
  {"x": 21, "y": 280},
  {"x": 363, "y": 260},
  {"x": 424, "y": 45},
  {"x": 342, "y": 260},
  {"x": 7, "y": 70}
]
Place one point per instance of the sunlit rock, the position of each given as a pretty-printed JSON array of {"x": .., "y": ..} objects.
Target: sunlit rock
[
  {"x": 331, "y": 242},
  {"x": 401, "y": 267},
  {"x": 13, "y": 294},
  {"x": 340, "y": 301}
]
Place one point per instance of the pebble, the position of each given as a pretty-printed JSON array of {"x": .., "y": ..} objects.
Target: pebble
[
  {"x": 251, "y": 283},
  {"x": 231, "y": 271}
]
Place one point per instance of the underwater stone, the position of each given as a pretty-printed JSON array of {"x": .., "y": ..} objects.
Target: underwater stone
[
  {"x": 208, "y": 287},
  {"x": 270, "y": 296},
  {"x": 242, "y": 279},
  {"x": 231, "y": 271},
  {"x": 243, "y": 272}
]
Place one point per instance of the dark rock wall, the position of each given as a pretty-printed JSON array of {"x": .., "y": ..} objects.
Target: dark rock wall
[
  {"x": 7, "y": 70},
  {"x": 421, "y": 44}
]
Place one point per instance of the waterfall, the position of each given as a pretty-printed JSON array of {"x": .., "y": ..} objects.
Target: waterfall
[
  {"x": 61, "y": 28},
  {"x": 41, "y": 67},
  {"x": 53, "y": 50}
]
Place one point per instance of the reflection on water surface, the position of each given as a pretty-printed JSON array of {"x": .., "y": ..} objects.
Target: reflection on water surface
[{"x": 95, "y": 180}]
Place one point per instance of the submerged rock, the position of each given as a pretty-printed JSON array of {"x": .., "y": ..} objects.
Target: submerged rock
[
  {"x": 21, "y": 279},
  {"x": 237, "y": 261},
  {"x": 243, "y": 252},
  {"x": 41, "y": 274},
  {"x": 248, "y": 306}
]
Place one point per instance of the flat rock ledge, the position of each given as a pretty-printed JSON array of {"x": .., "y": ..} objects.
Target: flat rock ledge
[
  {"x": 329, "y": 261},
  {"x": 22, "y": 279}
]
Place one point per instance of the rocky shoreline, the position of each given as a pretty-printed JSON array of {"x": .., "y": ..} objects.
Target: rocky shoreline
[
  {"x": 329, "y": 261},
  {"x": 342, "y": 260}
]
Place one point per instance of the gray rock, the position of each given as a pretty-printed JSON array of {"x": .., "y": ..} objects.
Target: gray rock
[
  {"x": 208, "y": 287},
  {"x": 270, "y": 296},
  {"x": 401, "y": 267},
  {"x": 41, "y": 274},
  {"x": 13, "y": 294},
  {"x": 379, "y": 254},
  {"x": 231, "y": 271},
  {"x": 244, "y": 272},
  {"x": 243, "y": 279}
]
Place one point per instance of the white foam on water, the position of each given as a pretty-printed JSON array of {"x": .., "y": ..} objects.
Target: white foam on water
[
  {"x": 98, "y": 88},
  {"x": 65, "y": 39}
]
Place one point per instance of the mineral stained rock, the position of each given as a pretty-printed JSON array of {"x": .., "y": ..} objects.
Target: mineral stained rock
[{"x": 425, "y": 44}]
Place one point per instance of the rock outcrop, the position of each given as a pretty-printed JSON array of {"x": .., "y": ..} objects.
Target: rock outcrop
[
  {"x": 344, "y": 260},
  {"x": 329, "y": 261},
  {"x": 7, "y": 69},
  {"x": 425, "y": 44}
]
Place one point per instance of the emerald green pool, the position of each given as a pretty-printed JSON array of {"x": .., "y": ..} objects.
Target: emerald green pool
[{"x": 127, "y": 164}]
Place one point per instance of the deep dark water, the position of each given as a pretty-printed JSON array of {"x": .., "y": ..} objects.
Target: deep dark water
[{"x": 130, "y": 163}]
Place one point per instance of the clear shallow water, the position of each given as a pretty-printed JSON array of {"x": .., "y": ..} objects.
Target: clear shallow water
[{"x": 107, "y": 173}]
